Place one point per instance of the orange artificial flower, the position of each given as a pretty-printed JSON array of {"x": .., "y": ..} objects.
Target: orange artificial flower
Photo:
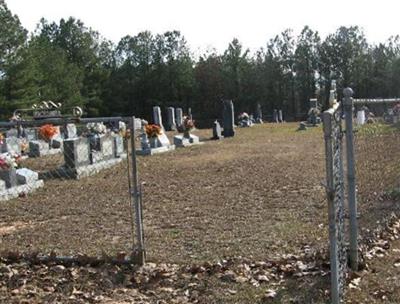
[{"x": 47, "y": 131}]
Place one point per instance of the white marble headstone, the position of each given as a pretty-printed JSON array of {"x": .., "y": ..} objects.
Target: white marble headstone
[
  {"x": 82, "y": 152},
  {"x": 107, "y": 147}
]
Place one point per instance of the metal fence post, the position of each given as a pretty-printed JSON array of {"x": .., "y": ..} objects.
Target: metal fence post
[
  {"x": 351, "y": 177},
  {"x": 333, "y": 245},
  {"x": 139, "y": 252}
]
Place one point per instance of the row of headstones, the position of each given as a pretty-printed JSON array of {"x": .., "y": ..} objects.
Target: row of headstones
[
  {"x": 84, "y": 151},
  {"x": 174, "y": 118},
  {"x": 277, "y": 116},
  {"x": 228, "y": 119},
  {"x": 15, "y": 181},
  {"x": 23, "y": 180},
  {"x": 78, "y": 151},
  {"x": 37, "y": 146},
  {"x": 161, "y": 143}
]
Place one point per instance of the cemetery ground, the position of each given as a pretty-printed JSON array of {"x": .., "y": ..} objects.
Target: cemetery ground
[{"x": 241, "y": 220}]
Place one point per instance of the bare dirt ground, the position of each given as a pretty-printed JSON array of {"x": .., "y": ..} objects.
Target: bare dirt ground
[{"x": 238, "y": 221}]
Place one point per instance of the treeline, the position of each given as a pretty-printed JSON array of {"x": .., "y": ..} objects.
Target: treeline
[{"x": 70, "y": 63}]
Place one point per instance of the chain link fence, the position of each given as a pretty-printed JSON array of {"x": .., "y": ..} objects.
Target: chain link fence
[{"x": 371, "y": 182}]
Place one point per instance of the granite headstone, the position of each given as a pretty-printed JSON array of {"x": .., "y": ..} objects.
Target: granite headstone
[{"x": 228, "y": 118}]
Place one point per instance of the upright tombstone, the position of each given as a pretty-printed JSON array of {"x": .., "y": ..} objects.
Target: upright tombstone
[
  {"x": 70, "y": 131},
  {"x": 179, "y": 118},
  {"x": 228, "y": 117},
  {"x": 9, "y": 177},
  {"x": 280, "y": 116},
  {"x": 361, "y": 117},
  {"x": 101, "y": 148},
  {"x": 157, "y": 118},
  {"x": 76, "y": 152},
  {"x": 275, "y": 117},
  {"x": 107, "y": 147},
  {"x": 144, "y": 141},
  {"x": 171, "y": 125},
  {"x": 139, "y": 123},
  {"x": 12, "y": 133},
  {"x": 314, "y": 112},
  {"x": 259, "y": 114},
  {"x": 38, "y": 148},
  {"x": 217, "y": 132},
  {"x": 190, "y": 113},
  {"x": 11, "y": 144},
  {"x": 118, "y": 145},
  {"x": 30, "y": 134}
]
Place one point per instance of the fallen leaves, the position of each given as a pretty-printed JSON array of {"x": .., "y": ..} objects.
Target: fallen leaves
[
  {"x": 354, "y": 284},
  {"x": 172, "y": 282},
  {"x": 270, "y": 294}
]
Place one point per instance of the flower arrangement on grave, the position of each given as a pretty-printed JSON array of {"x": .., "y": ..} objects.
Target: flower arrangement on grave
[
  {"x": 9, "y": 161},
  {"x": 187, "y": 125},
  {"x": 24, "y": 144},
  {"x": 244, "y": 120},
  {"x": 243, "y": 116},
  {"x": 122, "y": 129},
  {"x": 152, "y": 130},
  {"x": 47, "y": 132},
  {"x": 96, "y": 128}
]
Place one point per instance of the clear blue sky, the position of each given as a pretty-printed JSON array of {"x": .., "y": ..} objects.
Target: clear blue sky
[{"x": 215, "y": 22}]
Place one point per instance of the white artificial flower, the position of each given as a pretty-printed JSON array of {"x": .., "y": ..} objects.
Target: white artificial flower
[{"x": 122, "y": 126}]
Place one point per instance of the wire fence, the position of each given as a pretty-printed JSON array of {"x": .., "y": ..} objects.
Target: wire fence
[{"x": 371, "y": 181}]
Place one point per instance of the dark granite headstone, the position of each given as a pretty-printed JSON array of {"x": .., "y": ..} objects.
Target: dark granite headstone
[
  {"x": 38, "y": 148},
  {"x": 157, "y": 118},
  {"x": 76, "y": 152},
  {"x": 9, "y": 177},
  {"x": 228, "y": 117},
  {"x": 179, "y": 118},
  {"x": 275, "y": 116},
  {"x": 259, "y": 118},
  {"x": 171, "y": 125}
]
